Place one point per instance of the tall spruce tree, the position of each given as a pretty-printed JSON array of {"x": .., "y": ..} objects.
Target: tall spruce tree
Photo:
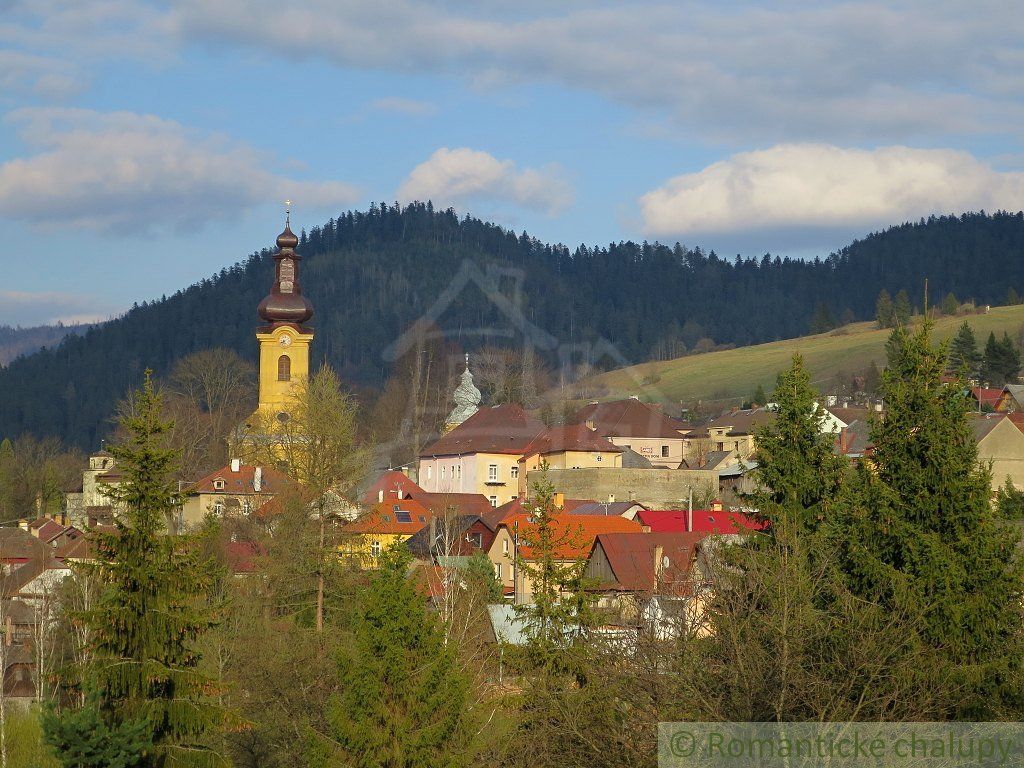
[
  {"x": 917, "y": 531},
  {"x": 1001, "y": 361},
  {"x": 797, "y": 467},
  {"x": 964, "y": 357},
  {"x": 402, "y": 700},
  {"x": 149, "y": 614},
  {"x": 950, "y": 304},
  {"x": 883, "y": 310},
  {"x": 902, "y": 310}
]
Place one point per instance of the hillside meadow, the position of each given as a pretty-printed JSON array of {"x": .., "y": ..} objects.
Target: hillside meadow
[{"x": 729, "y": 376}]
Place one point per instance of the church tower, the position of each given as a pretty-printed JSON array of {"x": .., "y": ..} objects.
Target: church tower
[
  {"x": 285, "y": 339},
  {"x": 467, "y": 401}
]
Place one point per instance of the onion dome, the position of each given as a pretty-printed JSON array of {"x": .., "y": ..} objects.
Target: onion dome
[
  {"x": 285, "y": 302},
  {"x": 467, "y": 399}
]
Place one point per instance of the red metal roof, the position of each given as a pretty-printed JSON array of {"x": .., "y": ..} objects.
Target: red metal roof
[
  {"x": 499, "y": 429},
  {"x": 704, "y": 521}
]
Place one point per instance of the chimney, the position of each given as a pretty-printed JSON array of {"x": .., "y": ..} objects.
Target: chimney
[
  {"x": 560, "y": 500},
  {"x": 844, "y": 440},
  {"x": 257, "y": 479},
  {"x": 659, "y": 552},
  {"x": 380, "y": 495},
  {"x": 236, "y": 465},
  {"x": 716, "y": 505}
]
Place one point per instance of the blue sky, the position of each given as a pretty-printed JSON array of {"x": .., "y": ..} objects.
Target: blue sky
[{"x": 144, "y": 146}]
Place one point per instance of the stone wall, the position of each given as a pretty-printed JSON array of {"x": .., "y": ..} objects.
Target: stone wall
[{"x": 656, "y": 488}]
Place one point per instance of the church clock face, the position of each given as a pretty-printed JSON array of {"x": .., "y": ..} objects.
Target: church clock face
[{"x": 286, "y": 341}]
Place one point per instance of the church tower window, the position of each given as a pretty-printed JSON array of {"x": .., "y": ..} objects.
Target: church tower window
[{"x": 284, "y": 368}]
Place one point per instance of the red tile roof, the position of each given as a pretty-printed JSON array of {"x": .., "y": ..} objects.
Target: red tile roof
[
  {"x": 572, "y": 437},
  {"x": 704, "y": 521},
  {"x": 629, "y": 418},
  {"x": 45, "y": 529},
  {"x": 384, "y": 518},
  {"x": 241, "y": 556},
  {"x": 493, "y": 517},
  {"x": 631, "y": 556},
  {"x": 574, "y": 534},
  {"x": 499, "y": 429},
  {"x": 241, "y": 482}
]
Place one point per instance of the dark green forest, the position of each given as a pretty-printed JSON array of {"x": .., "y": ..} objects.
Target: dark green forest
[{"x": 371, "y": 274}]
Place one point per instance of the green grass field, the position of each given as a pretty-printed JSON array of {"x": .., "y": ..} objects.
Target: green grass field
[{"x": 730, "y": 376}]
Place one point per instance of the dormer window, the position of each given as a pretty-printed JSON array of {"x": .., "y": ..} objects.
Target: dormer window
[{"x": 218, "y": 484}]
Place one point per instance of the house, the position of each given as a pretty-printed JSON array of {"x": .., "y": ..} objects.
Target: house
[
  {"x": 706, "y": 521},
  {"x": 639, "y": 427},
  {"x": 987, "y": 399},
  {"x": 18, "y": 673},
  {"x": 92, "y": 505},
  {"x": 1000, "y": 442},
  {"x": 732, "y": 432},
  {"x": 573, "y": 535},
  {"x": 648, "y": 582},
  {"x": 451, "y": 538},
  {"x": 394, "y": 484},
  {"x": 236, "y": 488},
  {"x": 573, "y": 446},
  {"x": 480, "y": 455},
  {"x": 387, "y": 523},
  {"x": 1010, "y": 399}
]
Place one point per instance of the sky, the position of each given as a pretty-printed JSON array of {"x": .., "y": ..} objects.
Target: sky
[{"x": 144, "y": 146}]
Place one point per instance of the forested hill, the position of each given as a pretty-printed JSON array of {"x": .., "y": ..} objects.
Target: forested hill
[{"x": 371, "y": 274}]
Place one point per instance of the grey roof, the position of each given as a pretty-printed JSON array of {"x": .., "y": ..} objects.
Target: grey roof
[
  {"x": 1016, "y": 392},
  {"x": 633, "y": 460},
  {"x": 610, "y": 508}
]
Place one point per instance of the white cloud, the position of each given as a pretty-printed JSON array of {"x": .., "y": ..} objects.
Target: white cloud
[
  {"x": 402, "y": 106},
  {"x": 126, "y": 171},
  {"x": 781, "y": 71},
  {"x": 452, "y": 176},
  {"x": 819, "y": 186},
  {"x": 461, "y": 175}
]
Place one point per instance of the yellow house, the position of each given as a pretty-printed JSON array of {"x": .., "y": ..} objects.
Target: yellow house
[
  {"x": 388, "y": 522},
  {"x": 640, "y": 427},
  {"x": 480, "y": 455},
  {"x": 574, "y": 446},
  {"x": 238, "y": 489}
]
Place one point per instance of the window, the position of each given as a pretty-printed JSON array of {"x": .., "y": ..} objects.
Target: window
[
  {"x": 664, "y": 451},
  {"x": 514, "y": 472},
  {"x": 401, "y": 516},
  {"x": 497, "y": 571},
  {"x": 218, "y": 507},
  {"x": 459, "y": 467},
  {"x": 492, "y": 473},
  {"x": 493, "y": 500},
  {"x": 504, "y": 547},
  {"x": 284, "y": 368},
  {"x": 421, "y": 518},
  {"x": 442, "y": 471},
  {"x": 218, "y": 484},
  {"x": 476, "y": 539},
  {"x": 430, "y": 472},
  {"x": 385, "y": 518},
  {"x": 375, "y": 548}
]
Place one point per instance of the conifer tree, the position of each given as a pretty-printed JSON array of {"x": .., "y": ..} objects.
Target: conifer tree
[
  {"x": 1001, "y": 361},
  {"x": 950, "y": 304},
  {"x": 150, "y": 611},
  {"x": 797, "y": 467},
  {"x": 917, "y": 531},
  {"x": 759, "y": 398},
  {"x": 964, "y": 357},
  {"x": 884, "y": 310},
  {"x": 402, "y": 701},
  {"x": 901, "y": 308},
  {"x": 821, "y": 320},
  {"x": 872, "y": 379}
]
